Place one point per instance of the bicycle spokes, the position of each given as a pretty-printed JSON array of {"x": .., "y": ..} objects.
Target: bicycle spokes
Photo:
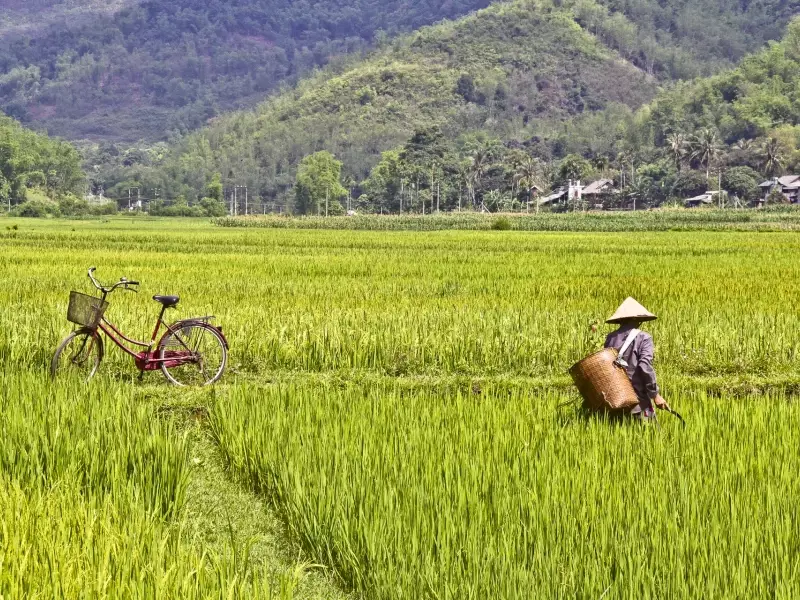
[{"x": 194, "y": 354}]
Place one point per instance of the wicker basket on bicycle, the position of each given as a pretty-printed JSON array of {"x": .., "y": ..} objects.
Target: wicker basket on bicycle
[
  {"x": 604, "y": 384},
  {"x": 85, "y": 310}
]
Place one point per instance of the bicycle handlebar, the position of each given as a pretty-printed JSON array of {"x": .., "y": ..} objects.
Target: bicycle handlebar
[{"x": 123, "y": 283}]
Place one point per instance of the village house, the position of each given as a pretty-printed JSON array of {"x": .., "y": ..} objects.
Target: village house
[
  {"x": 595, "y": 191},
  {"x": 788, "y": 185},
  {"x": 705, "y": 199},
  {"x": 556, "y": 197},
  {"x": 593, "y": 194}
]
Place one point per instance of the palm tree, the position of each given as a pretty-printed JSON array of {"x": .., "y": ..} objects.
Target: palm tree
[
  {"x": 772, "y": 156},
  {"x": 625, "y": 159},
  {"x": 602, "y": 164},
  {"x": 641, "y": 191},
  {"x": 531, "y": 175},
  {"x": 677, "y": 145},
  {"x": 705, "y": 147},
  {"x": 480, "y": 159},
  {"x": 348, "y": 181}
]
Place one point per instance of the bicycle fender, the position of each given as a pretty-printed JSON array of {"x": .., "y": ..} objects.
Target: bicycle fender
[{"x": 204, "y": 321}]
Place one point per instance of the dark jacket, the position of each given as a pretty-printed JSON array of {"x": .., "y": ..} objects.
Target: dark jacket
[{"x": 639, "y": 357}]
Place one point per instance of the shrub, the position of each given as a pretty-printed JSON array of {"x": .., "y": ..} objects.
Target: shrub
[
  {"x": 106, "y": 208},
  {"x": 501, "y": 224},
  {"x": 72, "y": 206},
  {"x": 213, "y": 207},
  {"x": 37, "y": 208}
]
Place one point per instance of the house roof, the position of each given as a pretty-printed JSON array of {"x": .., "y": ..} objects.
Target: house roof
[
  {"x": 597, "y": 187},
  {"x": 554, "y": 196},
  {"x": 706, "y": 198},
  {"x": 787, "y": 181}
]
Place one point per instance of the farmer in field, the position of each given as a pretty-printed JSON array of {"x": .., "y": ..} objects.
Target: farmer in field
[{"x": 636, "y": 354}]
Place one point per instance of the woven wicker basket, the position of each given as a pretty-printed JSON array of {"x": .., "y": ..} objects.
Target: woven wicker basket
[{"x": 604, "y": 385}]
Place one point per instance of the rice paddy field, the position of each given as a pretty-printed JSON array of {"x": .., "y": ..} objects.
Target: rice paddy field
[{"x": 397, "y": 421}]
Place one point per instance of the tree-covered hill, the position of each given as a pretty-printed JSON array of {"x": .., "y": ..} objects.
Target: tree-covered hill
[
  {"x": 711, "y": 34},
  {"x": 32, "y": 161},
  {"x": 518, "y": 70},
  {"x": 126, "y": 70},
  {"x": 30, "y": 16},
  {"x": 167, "y": 66}
]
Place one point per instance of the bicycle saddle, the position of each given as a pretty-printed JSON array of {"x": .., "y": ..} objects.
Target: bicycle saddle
[{"x": 167, "y": 300}]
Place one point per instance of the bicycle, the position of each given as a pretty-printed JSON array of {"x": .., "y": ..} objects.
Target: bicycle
[{"x": 190, "y": 352}]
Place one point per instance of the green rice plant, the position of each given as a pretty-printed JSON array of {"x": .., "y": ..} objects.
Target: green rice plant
[
  {"x": 394, "y": 395},
  {"x": 404, "y": 303},
  {"x": 497, "y": 493},
  {"x": 91, "y": 492}
]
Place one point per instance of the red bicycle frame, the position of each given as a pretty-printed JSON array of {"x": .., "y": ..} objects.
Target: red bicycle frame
[{"x": 147, "y": 360}]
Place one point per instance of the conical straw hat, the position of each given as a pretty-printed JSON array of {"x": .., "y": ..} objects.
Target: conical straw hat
[{"x": 631, "y": 309}]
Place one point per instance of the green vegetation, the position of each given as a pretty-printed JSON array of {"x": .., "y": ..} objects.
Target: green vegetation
[
  {"x": 367, "y": 322},
  {"x": 121, "y": 71},
  {"x": 91, "y": 493},
  {"x": 745, "y": 117},
  {"x": 516, "y": 70},
  {"x": 318, "y": 188},
  {"x": 491, "y": 491},
  {"x": 36, "y": 168},
  {"x": 777, "y": 219},
  {"x": 466, "y": 114},
  {"x": 401, "y": 402},
  {"x": 162, "y": 67},
  {"x": 683, "y": 39}
]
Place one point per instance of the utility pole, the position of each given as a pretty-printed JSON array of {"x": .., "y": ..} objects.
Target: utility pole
[
  {"x": 402, "y": 191},
  {"x": 433, "y": 176},
  {"x": 437, "y": 195},
  {"x": 245, "y": 201},
  {"x": 327, "y": 192}
]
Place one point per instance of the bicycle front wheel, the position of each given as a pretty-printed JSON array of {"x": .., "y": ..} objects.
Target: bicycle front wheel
[
  {"x": 79, "y": 354},
  {"x": 193, "y": 355}
]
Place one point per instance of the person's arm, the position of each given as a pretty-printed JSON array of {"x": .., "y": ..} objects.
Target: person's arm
[{"x": 648, "y": 374}]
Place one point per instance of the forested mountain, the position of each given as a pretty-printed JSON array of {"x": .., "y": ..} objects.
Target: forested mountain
[
  {"x": 30, "y": 160},
  {"x": 125, "y": 70},
  {"x": 517, "y": 70},
  {"x": 31, "y": 15},
  {"x": 461, "y": 107},
  {"x": 711, "y": 34},
  {"x": 167, "y": 66}
]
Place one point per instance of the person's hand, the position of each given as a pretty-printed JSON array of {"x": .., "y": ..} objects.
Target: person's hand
[{"x": 661, "y": 403}]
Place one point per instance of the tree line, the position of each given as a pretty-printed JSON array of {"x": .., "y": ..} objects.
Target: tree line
[
  {"x": 729, "y": 131},
  {"x": 35, "y": 167}
]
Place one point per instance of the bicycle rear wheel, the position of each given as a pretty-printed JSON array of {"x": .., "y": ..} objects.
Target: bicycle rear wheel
[
  {"x": 78, "y": 354},
  {"x": 194, "y": 354}
]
